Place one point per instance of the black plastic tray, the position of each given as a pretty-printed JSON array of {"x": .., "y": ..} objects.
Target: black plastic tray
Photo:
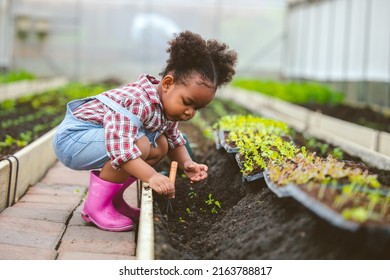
[
  {"x": 279, "y": 191},
  {"x": 321, "y": 209},
  {"x": 245, "y": 177}
]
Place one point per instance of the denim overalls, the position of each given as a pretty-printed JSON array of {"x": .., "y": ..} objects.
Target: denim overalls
[{"x": 80, "y": 144}]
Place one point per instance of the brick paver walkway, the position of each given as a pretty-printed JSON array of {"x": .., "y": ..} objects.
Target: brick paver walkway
[{"x": 45, "y": 223}]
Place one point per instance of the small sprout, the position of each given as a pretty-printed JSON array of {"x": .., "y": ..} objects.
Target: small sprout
[
  {"x": 192, "y": 194},
  {"x": 312, "y": 142},
  {"x": 217, "y": 205},
  {"x": 181, "y": 220},
  {"x": 214, "y": 203},
  {"x": 323, "y": 148},
  {"x": 210, "y": 199},
  {"x": 337, "y": 153}
]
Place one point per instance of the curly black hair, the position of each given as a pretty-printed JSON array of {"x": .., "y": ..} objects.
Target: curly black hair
[{"x": 190, "y": 54}]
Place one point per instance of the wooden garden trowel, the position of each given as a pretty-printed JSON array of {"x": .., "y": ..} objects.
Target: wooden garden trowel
[{"x": 172, "y": 176}]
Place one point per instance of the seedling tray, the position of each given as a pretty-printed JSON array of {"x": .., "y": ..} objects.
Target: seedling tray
[
  {"x": 280, "y": 191},
  {"x": 322, "y": 210},
  {"x": 254, "y": 177},
  {"x": 217, "y": 141},
  {"x": 230, "y": 149},
  {"x": 225, "y": 145},
  {"x": 246, "y": 177}
]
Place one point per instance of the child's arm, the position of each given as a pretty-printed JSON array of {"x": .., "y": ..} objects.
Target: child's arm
[
  {"x": 194, "y": 171},
  {"x": 143, "y": 171}
]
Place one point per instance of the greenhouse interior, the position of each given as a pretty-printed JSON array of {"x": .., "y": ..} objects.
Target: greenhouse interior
[{"x": 267, "y": 127}]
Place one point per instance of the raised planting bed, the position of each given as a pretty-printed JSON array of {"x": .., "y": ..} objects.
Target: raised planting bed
[
  {"x": 25, "y": 119},
  {"x": 367, "y": 143},
  {"x": 319, "y": 98},
  {"x": 24, "y": 168},
  {"x": 27, "y": 128}
]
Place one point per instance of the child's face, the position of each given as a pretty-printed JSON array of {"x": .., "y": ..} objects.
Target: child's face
[{"x": 181, "y": 102}]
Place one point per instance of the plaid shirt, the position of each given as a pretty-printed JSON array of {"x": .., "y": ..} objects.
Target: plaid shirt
[{"x": 143, "y": 101}]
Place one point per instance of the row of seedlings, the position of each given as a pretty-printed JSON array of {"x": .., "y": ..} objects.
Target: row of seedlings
[{"x": 345, "y": 193}]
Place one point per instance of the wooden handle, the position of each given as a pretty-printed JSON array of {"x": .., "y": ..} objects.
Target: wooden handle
[{"x": 172, "y": 172}]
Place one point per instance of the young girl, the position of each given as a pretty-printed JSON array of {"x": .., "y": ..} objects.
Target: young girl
[{"x": 124, "y": 132}]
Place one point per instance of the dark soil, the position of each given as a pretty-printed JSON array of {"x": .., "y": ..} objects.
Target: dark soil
[{"x": 253, "y": 223}]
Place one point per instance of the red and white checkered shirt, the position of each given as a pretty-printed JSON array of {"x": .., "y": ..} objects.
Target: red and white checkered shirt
[{"x": 142, "y": 100}]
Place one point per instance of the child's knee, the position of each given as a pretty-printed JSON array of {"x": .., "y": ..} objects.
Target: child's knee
[
  {"x": 143, "y": 145},
  {"x": 162, "y": 145},
  {"x": 158, "y": 153}
]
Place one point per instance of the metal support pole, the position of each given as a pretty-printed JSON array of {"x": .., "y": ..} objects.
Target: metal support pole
[
  {"x": 330, "y": 42},
  {"x": 347, "y": 38},
  {"x": 4, "y": 42},
  {"x": 366, "y": 54}
]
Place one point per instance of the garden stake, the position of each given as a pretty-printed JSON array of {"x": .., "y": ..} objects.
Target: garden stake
[{"x": 172, "y": 176}]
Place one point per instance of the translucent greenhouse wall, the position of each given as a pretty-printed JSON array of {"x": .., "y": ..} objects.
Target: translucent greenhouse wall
[
  {"x": 345, "y": 43},
  {"x": 99, "y": 39}
]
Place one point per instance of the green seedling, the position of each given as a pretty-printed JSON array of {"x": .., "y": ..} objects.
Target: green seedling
[
  {"x": 356, "y": 214},
  {"x": 192, "y": 194},
  {"x": 337, "y": 153},
  {"x": 214, "y": 203}
]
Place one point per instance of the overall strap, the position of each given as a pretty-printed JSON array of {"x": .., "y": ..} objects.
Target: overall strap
[{"x": 118, "y": 108}]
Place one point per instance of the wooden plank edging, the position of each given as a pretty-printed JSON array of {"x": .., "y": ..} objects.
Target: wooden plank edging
[{"x": 145, "y": 240}]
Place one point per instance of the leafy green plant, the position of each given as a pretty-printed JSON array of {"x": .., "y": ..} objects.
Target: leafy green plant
[
  {"x": 14, "y": 76},
  {"x": 310, "y": 168},
  {"x": 295, "y": 92},
  {"x": 260, "y": 150},
  {"x": 358, "y": 214},
  {"x": 324, "y": 149},
  {"x": 8, "y": 105},
  {"x": 337, "y": 153},
  {"x": 251, "y": 122}
]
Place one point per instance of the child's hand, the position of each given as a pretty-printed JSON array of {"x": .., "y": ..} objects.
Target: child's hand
[
  {"x": 162, "y": 185},
  {"x": 194, "y": 171}
]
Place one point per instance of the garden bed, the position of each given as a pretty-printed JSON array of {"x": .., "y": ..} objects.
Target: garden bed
[
  {"x": 226, "y": 218},
  {"x": 252, "y": 223},
  {"x": 25, "y": 119}
]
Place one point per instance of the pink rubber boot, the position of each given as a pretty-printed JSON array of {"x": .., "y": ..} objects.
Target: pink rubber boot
[
  {"x": 99, "y": 209},
  {"x": 121, "y": 205}
]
